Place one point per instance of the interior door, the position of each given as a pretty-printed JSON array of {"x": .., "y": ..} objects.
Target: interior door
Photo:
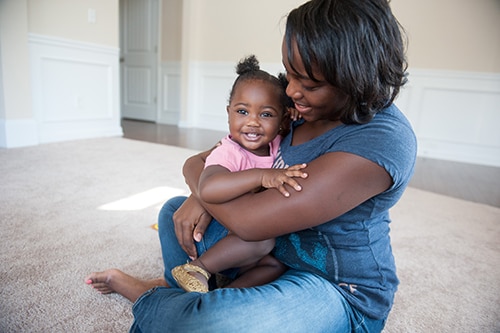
[{"x": 139, "y": 58}]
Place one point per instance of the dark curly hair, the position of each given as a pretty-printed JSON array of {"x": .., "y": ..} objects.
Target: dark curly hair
[
  {"x": 249, "y": 69},
  {"x": 357, "y": 45}
]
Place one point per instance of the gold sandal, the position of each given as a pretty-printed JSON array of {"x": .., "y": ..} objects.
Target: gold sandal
[{"x": 187, "y": 281}]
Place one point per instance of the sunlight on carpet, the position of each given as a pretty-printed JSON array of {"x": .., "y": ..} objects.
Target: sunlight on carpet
[{"x": 144, "y": 199}]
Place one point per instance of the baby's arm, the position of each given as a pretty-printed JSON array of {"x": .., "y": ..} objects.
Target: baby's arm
[{"x": 219, "y": 185}]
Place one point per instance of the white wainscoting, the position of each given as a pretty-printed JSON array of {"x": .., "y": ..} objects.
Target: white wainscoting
[
  {"x": 75, "y": 89},
  {"x": 208, "y": 91},
  {"x": 170, "y": 97},
  {"x": 455, "y": 114}
]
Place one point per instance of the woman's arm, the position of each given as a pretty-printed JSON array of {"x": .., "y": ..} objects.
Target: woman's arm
[{"x": 337, "y": 182}]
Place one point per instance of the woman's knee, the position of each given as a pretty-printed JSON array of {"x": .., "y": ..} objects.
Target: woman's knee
[{"x": 165, "y": 217}]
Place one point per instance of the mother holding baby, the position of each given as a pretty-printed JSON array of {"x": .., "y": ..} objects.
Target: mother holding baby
[{"x": 345, "y": 64}]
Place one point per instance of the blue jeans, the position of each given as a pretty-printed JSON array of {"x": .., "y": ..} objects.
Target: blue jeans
[{"x": 298, "y": 301}]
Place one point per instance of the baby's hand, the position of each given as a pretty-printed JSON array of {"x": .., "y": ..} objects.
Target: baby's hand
[
  {"x": 277, "y": 178},
  {"x": 294, "y": 114}
]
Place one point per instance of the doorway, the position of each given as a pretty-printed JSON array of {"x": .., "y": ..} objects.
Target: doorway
[{"x": 139, "y": 43}]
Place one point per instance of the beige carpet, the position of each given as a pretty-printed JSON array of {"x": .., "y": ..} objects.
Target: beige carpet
[{"x": 70, "y": 208}]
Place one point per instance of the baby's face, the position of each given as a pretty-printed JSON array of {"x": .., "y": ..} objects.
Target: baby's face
[{"x": 255, "y": 115}]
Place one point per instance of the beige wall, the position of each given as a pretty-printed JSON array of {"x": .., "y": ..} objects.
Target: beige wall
[
  {"x": 171, "y": 30},
  {"x": 69, "y": 19},
  {"x": 14, "y": 61},
  {"x": 443, "y": 34},
  {"x": 226, "y": 30},
  {"x": 460, "y": 35}
]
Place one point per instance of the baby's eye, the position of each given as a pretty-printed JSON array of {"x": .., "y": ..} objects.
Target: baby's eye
[
  {"x": 266, "y": 114},
  {"x": 242, "y": 111}
]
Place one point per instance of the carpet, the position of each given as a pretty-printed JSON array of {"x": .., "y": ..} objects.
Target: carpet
[{"x": 70, "y": 208}]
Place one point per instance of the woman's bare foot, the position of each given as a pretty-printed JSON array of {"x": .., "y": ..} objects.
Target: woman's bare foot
[{"x": 114, "y": 280}]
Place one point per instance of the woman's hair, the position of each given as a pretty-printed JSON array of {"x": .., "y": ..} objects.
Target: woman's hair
[
  {"x": 249, "y": 69},
  {"x": 358, "y": 47}
]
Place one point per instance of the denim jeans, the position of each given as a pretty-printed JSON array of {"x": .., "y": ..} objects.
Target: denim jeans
[{"x": 298, "y": 301}]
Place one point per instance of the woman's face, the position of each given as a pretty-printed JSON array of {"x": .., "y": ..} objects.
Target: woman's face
[
  {"x": 255, "y": 114},
  {"x": 313, "y": 100}
]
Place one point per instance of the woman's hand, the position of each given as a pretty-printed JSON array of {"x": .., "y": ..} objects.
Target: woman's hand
[{"x": 190, "y": 222}]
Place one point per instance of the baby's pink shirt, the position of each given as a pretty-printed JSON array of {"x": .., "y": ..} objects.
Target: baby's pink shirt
[{"x": 233, "y": 157}]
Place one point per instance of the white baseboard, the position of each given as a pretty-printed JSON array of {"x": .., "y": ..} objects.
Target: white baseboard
[
  {"x": 18, "y": 133},
  {"x": 459, "y": 152},
  {"x": 75, "y": 89}
]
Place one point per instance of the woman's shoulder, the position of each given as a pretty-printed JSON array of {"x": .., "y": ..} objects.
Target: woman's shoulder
[
  {"x": 393, "y": 115},
  {"x": 390, "y": 124},
  {"x": 387, "y": 140}
]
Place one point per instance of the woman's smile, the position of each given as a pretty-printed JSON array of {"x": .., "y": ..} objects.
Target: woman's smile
[{"x": 301, "y": 108}]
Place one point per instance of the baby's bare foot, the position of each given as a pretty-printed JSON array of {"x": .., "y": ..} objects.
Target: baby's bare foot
[{"x": 114, "y": 280}]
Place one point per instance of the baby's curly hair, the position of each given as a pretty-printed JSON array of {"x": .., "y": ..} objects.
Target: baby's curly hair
[{"x": 249, "y": 69}]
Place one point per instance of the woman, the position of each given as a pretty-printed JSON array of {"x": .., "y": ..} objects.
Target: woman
[{"x": 345, "y": 65}]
